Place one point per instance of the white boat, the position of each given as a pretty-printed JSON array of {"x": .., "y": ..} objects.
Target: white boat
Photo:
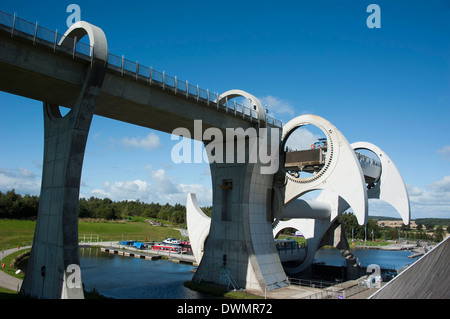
[{"x": 171, "y": 241}]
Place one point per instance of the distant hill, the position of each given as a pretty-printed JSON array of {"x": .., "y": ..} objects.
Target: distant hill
[
  {"x": 377, "y": 218},
  {"x": 423, "y": 221},
  {"x": 433, "y": 221}
]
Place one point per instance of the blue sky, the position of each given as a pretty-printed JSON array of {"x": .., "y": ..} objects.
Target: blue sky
[{"x": 389, "y": 86}]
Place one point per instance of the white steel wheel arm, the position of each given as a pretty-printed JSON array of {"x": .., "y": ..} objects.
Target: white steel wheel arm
[
  {"x": 390, "y": 188},
  {"x": 341, "y": 176}
]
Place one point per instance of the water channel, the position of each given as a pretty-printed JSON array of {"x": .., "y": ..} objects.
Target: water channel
[
  {"x": 122, "y": 277},
  {"x": 384, "y": 258}
]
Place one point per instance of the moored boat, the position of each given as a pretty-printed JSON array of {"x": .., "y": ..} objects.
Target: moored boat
[{"x": 171, "y": 241}]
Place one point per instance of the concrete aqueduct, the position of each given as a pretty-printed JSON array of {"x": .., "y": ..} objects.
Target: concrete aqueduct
[{"x": 250, "y": 204}]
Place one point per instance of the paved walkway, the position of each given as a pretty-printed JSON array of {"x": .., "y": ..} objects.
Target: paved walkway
[
  {"x": 8, "y": 281},
  {"x": 289, "y": 292}
]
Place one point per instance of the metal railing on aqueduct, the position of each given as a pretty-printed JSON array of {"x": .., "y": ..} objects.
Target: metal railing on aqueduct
[{"x": 43, "y": 36}]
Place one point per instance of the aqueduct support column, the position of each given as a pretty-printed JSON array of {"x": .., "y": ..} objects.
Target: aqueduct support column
[
  {"x": 55, "y": 244},
  {"x": 239, "y": 250}
]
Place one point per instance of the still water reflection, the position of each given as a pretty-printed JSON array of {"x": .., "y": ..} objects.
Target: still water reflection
[
  {"x": 122, "y": 277},
  {"x": 384, "y": 258}
]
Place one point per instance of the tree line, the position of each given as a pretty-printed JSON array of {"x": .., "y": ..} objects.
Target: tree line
[
  {"x": 373, "y": 230},
  {"x": 16, "y": 206},
  {"x": 356, "y": 231}
]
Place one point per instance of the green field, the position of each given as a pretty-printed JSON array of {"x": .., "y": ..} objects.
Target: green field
[
  {"x": 20, "y": 232},
  {"x": 16, "y": 232}
]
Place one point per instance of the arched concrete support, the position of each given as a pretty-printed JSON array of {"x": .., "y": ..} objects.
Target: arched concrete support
[
  {"x": 97, "y": 38},
  {"x": 311, "y": 229},
  {"x": 240, "y": 245},
  {"x": 317, "y": 232},
  {"x": 255, "y": 103},
  {"x": 390, "y": 188},
  {"x": 198, "y": 225},
  {"x": 55, "y": 243}
]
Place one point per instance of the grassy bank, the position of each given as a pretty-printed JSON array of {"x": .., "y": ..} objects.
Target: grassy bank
[
  {"x": 298, "y": 239},
  {"x": 15, "y": 232},
  {"x": 219, "y": 291},
  {"x": 9, "y": 294},
  {"x": 361, "y": 243},
  {"x": 20, "y": 232},
  {"x": 11, "y": 261},
  {"x": 126, "y": 230}
]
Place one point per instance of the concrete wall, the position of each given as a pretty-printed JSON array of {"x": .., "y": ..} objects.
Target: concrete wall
[{"x": 240, "y": 236}]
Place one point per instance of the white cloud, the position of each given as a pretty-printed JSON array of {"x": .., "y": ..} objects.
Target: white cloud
[
  {"x": 414, "y": 191},
  {"x": 203, "y": 193},
  {"x": 169, "y": 190},
  {"x": 163, "y": 183},
  {"x": 442, "y": 186},
  {"x": 301, "y": 139},
  {"x": 161, "y": 189},
  {"x": 22, "y": 180},
  {"x": 128, "y": 190},
  {"x": 445, "y": 153},
  {"x": 149, "y": 142},
  {"x": 432, "y": 201},
  {"x": 26, "y": 173},
  {"x": 277, "y": 106}
]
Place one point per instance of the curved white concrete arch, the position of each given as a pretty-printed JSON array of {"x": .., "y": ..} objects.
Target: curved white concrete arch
[
  {"x": 340, "y": 177},
  {"x": 390, "y": 188},
  {"x": 97, "y": 38},
  {"x": 341, "y": 181},
  {"x": 313, "y": 230},
  {"x": 198, "y": 225},
  {"x": 256, "y": 104}
]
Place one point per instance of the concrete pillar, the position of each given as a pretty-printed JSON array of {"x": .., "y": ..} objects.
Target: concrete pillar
[
  {"x": 55, "y": 244},
  {"x": 240, "y": 249}
]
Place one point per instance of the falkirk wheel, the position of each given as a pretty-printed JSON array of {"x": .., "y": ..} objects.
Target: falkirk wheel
[{"x": 345, "y": 178}]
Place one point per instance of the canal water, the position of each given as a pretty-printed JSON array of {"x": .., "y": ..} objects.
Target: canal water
[
  {"x": 383, "y": 258},
  {"x": 122, "y": 277}
]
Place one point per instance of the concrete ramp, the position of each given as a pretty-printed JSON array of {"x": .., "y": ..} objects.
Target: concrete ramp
[{"x": 427, "y": 278}]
